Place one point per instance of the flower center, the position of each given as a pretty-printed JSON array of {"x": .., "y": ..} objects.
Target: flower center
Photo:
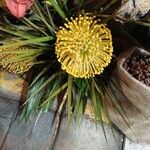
[{"x": 84, "y": 47}]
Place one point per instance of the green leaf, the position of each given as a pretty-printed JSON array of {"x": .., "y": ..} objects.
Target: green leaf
[
  {"x": 55, "y": 94},
  {"x": 65, "y": 2},
  {"x": 40, "y": 13},
  {"x": 50, "y": 16},
  {"x": 52, "y": 87},
  {"x": 117, "y": 107},
  {"x": 44, "y": 84},
  {"x": 33, "y": 102},
  {"x": 40, "y": 74},
  {"x": 80, "y": 2},
  {"x": 97, "y": 107},
  {"x": 58, "y": 8},
  {"x": 21, "y": 34},
  {"x": 69, "y": 100},
  {"x": 29, "y": 23}
]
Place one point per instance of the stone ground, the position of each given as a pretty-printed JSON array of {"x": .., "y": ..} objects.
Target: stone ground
[
  {"x": 15, "y": 135},
  {"x": 87, "y": 136}
]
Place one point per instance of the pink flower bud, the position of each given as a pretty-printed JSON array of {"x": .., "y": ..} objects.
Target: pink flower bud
[{"x": 18, "y": 8}]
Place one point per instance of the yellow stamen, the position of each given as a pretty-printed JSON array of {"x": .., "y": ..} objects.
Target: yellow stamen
[
  {"x": 11, "y": 60},
  {"x": 84, "y": 47}
]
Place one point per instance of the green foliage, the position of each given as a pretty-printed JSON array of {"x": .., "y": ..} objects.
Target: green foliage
[
  {"x": 55, "y": 4},
  {"x": 49, "y": 83}
]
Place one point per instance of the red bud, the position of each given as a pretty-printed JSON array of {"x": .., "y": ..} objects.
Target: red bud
[{"x": 18, "y": 8}]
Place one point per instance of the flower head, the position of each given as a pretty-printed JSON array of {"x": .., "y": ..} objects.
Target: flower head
[
  {"x": 84, "y": 47},
  {"x": 13, "y": 59},
  {"x": 18, "y": 67},
  {"x": 18, "y": 8}
]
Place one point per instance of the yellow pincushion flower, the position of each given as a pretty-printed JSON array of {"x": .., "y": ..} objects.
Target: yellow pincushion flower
[
  {"x": 84, "y": 47},
  {"x": 14, "y": 58},
  {"x": 18, "y": 67}
]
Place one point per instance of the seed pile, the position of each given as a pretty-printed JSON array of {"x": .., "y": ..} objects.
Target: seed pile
[{"x": 138, "y": 65}]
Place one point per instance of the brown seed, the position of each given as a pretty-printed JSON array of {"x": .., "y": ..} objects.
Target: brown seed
[{"x": 138, "y": 65}]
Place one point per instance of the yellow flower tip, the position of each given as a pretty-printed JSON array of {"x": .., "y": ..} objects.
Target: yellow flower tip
[
  {"x": 84, "y": 47},
  {"x": 18, "y": 66}
]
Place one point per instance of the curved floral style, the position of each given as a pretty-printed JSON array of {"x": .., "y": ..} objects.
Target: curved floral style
[
  {"x": 84, "y": 47},
  {"x": 21, "y": 64},
  {"x": 19, "y": 67}
]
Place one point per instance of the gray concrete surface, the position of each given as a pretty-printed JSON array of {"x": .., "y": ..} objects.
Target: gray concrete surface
[
  {"x": 4, "y": 126},
  {"x": 87, "y": 136},
  {"x": 129, "y": 145},
  {"x": 21, "y": 136},
  {"x": 8, "y": 107}
]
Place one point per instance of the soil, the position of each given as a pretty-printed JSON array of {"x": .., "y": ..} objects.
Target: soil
[{"x": 138, "y": 65}]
